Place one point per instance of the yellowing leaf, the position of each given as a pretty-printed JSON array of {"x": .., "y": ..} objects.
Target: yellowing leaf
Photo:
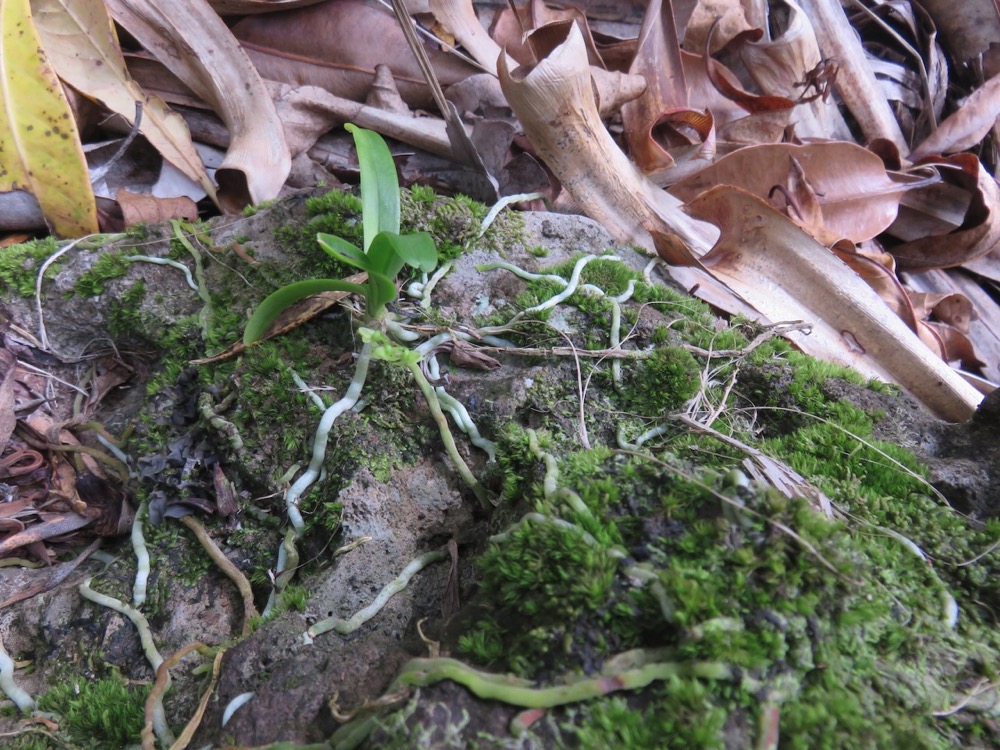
[
  {"x": 38, "y": 138},
  {"x": 82, "y": 46}
]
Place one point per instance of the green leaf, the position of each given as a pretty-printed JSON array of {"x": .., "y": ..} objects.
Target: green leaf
[
  {"x": 277, "y": 302},
  {"x": 416, "y": 249},
  {"x": 379, "y": 184},
  {"x": 381, "y": 291},
  {"x": 342, "y": 250},
  {"x": 390, "y": 252}
]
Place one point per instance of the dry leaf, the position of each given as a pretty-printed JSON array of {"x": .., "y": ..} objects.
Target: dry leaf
[
  {"x": 969, "y": 231},
  {"x": 459, "y": 18},
  {"x": 967, "y": 126},
  {"x": 968, "y": 29},
  {"x": 337, "y": 46},
  {"x": 554, "y": 101},
  {"x": 857, "y": 197},
  {"x": 786, "y": 274},
  {"x": 84, "y": 50},
  {"x": 658, "y": 60},
  {"x": 856, "y": 82},
  {"x": 217, "y": 69},
  {"x": 782, "y": 66},
  {"x": 139, "y": 208}
]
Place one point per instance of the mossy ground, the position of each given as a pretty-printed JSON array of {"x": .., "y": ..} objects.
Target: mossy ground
[
  {"x": 838, "y": 627},
  {"x": 843, "y": 628}
]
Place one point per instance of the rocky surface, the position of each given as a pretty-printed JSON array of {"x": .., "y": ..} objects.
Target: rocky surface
[{"x": 390, "y": 484}]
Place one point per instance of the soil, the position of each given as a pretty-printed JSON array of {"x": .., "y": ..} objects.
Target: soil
[{"x": 390, "y": 483}]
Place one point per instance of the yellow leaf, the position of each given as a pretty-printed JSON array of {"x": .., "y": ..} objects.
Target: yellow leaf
[
  {"x": 40, "y": 149},
  {"x": 83, "y": 48}
]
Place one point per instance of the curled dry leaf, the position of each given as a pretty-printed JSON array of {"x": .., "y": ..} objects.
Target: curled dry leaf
[
  {"x": 782, "y": 67},
  {"x": 787, "y": 275},
  {"x": 337, "y": 47},
  {"x": 460, "y": 19},
  {"x": 849, "y": 184},
  {"x": 967, "y": 126},
  {"x": 658, "y": 59},
  {"x": 855, "y": 82},
  {"x": 554, "y": 101},
  {"x": 218, "y": 70},
  {"x": 971, "y": 218}
]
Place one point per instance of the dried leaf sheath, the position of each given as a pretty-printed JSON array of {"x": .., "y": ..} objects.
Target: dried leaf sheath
[{"x": 554, "y": 101}]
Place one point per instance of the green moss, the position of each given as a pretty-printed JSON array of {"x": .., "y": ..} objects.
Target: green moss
[
  {"x": 124, "y": 318},
  {"x": 681, "y": 718},
  {"x": 19, "y": 266},
  {"x": 845, "y": 628},
  {"x": 663, "y": 382},
  {"x": 93, "y": 281},
  {"x": 105, "y": 713}
]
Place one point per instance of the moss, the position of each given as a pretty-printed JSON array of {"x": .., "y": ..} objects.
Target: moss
[
  {"x": 19, "y": 266},
  {"x": 105, "y": 713},
  {"x": 124, "y": 318},
  {"x": 679, "y": 717},
  {"x": 845, "y": 630},
  {"x": 93, "y": 281},
  {"x": 663, "y": 382}
]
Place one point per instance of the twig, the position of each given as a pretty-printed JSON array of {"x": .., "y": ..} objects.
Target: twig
[{"x": 227, "y": 567}]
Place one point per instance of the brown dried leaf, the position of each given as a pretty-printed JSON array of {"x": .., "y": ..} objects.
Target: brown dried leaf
[
  {"x": 554, "y": 100},
  {"x": 337, "y": 46},
  {"x": 856, "y": 81},
  {"x": 139, "y": 208},
  {"x": 787, "y": 275},
  {"x": 225, "y": 494},
  {"x": 968, "y": 231},
  {"x": 658, "y": 59},
  {"x": 51, "y": 525},
  {"x": 856, "y": 196},
  {"x": 967, "y": 126},
  {"x": 781, "y": 67},
  {"x": 219, "y": 71}
]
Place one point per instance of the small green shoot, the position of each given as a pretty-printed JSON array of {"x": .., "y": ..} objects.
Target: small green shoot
[{"x": 385, "y": 250}]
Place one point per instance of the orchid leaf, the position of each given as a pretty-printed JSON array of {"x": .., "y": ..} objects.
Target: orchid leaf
[
  {"x": 277, "y": 302},
  {"x": 379, "y": 184},
  {"x": 340, "y": 249},
  {"x": 389, "y": 252}
]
